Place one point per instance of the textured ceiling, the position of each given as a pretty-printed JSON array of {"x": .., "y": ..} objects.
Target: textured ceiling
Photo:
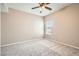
[{"x": 26, "y": 7}]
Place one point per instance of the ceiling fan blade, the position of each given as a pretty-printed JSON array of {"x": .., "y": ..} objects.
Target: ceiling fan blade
[
  {"x": 48, "y": 8},
  {"x": 35, "y": 7},
  {"x": 47, "y": 3}
]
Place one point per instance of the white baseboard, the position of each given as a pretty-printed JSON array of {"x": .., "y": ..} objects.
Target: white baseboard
[
  {"x": 40, "y": 39},
  {"x": 18, "y": 42},
  {"x": 66, "y": 44}
]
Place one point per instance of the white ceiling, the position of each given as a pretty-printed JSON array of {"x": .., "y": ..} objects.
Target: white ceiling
[{"x": 26, "y": 7}]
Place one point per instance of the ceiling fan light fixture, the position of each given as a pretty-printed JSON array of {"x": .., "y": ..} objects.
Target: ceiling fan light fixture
[{"x": 43, "y": 7}]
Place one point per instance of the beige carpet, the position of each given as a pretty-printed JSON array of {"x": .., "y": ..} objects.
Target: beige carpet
[
  {"x": 39, "y": 47},
  {"x": 33, "y": 48}
]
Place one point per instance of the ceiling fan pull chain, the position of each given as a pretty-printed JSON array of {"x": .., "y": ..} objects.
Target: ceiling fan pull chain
[{"x": 40, "y": 11}]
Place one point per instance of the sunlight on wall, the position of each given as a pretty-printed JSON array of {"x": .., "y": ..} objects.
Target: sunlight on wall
[{"x": 39, "y": 26}]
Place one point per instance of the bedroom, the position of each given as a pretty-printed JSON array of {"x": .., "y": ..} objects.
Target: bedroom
[{"x": 39, "y": 29}]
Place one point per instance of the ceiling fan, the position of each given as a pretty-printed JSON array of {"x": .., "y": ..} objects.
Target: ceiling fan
[{"x": 43, "y": 5}]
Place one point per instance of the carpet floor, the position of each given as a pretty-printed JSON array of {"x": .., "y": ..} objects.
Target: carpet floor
[
  {"x": 39, "y": 47},
  {"x": 33, "y": 48}
]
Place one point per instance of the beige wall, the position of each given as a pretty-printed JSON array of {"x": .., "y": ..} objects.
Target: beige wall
[
  {"x": 66, "y": 25},
  {"x": 0, "y": 33},
  {"x": 0, "y": 27},
  {"x": 19, "y": 26}
]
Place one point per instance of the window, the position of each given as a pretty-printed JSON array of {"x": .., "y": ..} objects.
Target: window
[{"x": 49, "y": 27}]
